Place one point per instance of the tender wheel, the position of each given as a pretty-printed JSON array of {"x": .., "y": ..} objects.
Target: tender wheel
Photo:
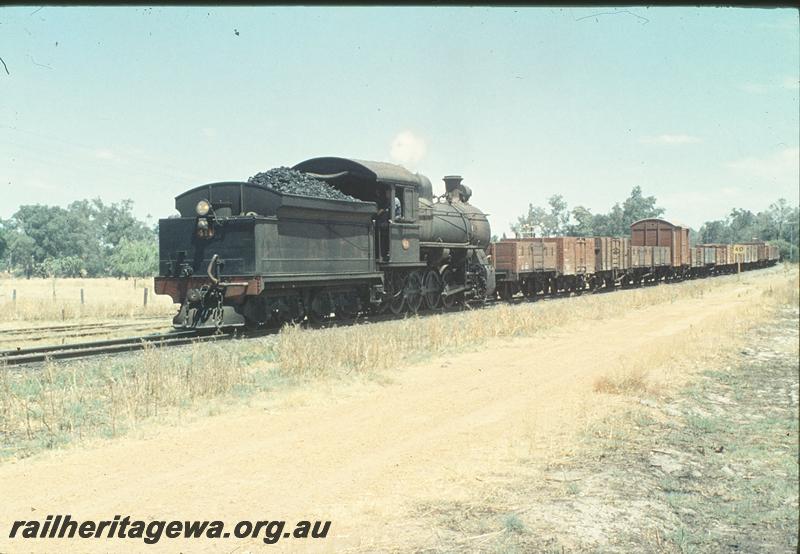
[
  {"x": 432, "y": 289},
  {"x": 321, "y": 308},
  {"x": 289, "y": 312},
  {"x": 413, "y": 292},
  {"x": 347, "y": 308}
]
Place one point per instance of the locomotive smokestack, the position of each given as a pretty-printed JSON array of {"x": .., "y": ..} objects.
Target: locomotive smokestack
[{"x": 451, "y": 182}]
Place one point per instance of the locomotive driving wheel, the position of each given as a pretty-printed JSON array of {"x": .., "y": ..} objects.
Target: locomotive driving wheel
[
  {"x": 432, "y": 289},
  {"x": 449, "y": 281},
  {"x": 412, "y": 292},
  {"x": 398, "y": 300}
]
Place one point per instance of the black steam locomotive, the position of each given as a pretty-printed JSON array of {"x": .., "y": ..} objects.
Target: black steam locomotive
[{"x": 242, "y": 254}]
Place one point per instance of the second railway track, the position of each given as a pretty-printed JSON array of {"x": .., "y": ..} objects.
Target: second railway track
[
  {"x": 113, "y": 346},
  {"x": 82, "y": 327}
]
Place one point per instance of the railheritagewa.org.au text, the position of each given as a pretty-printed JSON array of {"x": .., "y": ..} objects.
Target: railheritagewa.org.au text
[{"x": 64, "y": 526}]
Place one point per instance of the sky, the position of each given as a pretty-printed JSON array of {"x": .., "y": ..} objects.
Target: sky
[{"x": 698, "y": 106}]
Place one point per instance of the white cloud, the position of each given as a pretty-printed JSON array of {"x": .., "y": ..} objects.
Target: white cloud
[
  {"x": 408, "y": 148},
  {"x": 671, "y": 139},
  {"x": 791, "y": 83},
  {"x": 208, "y": 132},
  {"x": 782, "y": 167}
]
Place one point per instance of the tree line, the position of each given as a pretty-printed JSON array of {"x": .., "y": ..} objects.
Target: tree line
[
  {"x": 88, "y": 238},
  {"x": 778, "y": 224}
]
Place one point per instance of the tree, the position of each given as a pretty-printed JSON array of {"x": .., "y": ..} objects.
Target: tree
[
  {"x": 743, "y": 225},
  {"x": 714, "y": 232},
  {"x": 3, "y": 239},
  {"x": 527, "y": 224},
  {"x": 548, "y": 223},
  {"x": 782, "y": 215},
  {"x": 611, "y": 224},
  {"x": 638, "y": 207},
  {"x": 77, "y": 240},
  {"x": 135, "y": 258},
  {"x": 52, "y": 232},
  {"x": 558, "y": 218},
  {"x": 21, "y": 253},
  {"x": 110, "y": 224},
  {"x": 68, "y": 266},
  {"x": 584, "y": 223}
]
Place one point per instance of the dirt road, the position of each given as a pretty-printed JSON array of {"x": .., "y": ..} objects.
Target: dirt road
[{"x": 362, "y": 455}]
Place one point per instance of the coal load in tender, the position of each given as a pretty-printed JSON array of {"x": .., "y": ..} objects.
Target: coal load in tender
[{"x": 289, "y": 181}]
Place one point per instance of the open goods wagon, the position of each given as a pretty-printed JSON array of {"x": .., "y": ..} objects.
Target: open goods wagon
[{"x": 703, "y": 259}]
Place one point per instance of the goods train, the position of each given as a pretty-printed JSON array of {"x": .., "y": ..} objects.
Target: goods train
[
  {"x": 657, "y": 250},
  {"x": 241, "y": 254}
]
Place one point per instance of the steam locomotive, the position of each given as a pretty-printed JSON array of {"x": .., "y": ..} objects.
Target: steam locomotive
[{"x": 241, "y": 254}]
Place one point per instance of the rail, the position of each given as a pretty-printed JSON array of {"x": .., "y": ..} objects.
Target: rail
[{"x": 22, "y": 356}]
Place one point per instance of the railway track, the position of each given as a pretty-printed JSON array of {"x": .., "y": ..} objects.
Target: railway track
[
  {"x": 31, "y": 340},
  {"x": 81, "y": 327},
  {"x": 23, "y": 356},
  {"x": 181, "y": 338},
  {"x": 36, "y": 355}
]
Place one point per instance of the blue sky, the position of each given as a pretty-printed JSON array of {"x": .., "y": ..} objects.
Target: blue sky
[{"x": 698, "y": 106}]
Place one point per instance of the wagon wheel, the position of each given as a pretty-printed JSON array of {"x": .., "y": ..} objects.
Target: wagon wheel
[
  {"x": 504, "y": 291},
  {"x": 432, "y": 289},
  {"x": 448, "y": 281},
  {"x": 397, "y": 301},
  {"x": 412, "y": 292},
  {"x": 320, "y": 311},
  {"x": 347, "y": 309},
  {"x": 529, "y": 289}
]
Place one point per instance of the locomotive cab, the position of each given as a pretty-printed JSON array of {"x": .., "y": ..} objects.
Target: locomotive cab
[{"x": 397, "y": 235}]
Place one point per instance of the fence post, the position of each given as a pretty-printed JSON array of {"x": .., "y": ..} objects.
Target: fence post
[
  {"x": 145, "y": 296},
  {"x": 14, "y": 298},
  {"x": 81, "y": 297},
  {"x": 54, "y": 289},
  {"x": 63, "y": 314}
]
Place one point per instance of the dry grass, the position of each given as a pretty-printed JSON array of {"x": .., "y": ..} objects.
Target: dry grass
[
  {"x": 654, "y": 371},
  {"x": 389, "y": 345},
  {"x": 48, "y": 408},
  {"x": 60, "y": 299},
  {"x": 622, "y": 383}
]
